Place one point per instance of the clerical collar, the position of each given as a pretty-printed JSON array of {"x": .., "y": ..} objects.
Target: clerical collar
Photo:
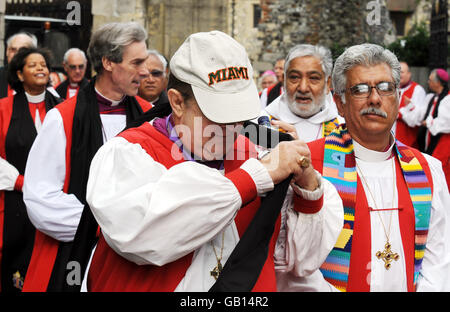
[
  {"x": 104, "y": 100},
  {"x": 370, "y": 155},
  {"x": 74, "y": 85},
  {"x": 35, "y": 98}
]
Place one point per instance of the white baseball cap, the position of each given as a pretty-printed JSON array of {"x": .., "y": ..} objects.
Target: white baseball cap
[{"x": 221, "y": 76}]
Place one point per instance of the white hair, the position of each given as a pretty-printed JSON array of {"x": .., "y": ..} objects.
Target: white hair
[
  {"x": 161, "y": 58},
  {"x": 365, "y": 54},
  {"x": 66, "y": 55},
  {"x": 34, "y": 41},
  {"x": 322, "y": 53}
]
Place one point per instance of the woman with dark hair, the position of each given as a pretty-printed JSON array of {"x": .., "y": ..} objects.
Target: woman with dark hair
[{"x": 21, "y": 116}]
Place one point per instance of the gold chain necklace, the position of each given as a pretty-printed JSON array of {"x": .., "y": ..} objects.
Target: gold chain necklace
[
  {"x": 387, "y": 255},
  {"x": 218, "y": 268}
]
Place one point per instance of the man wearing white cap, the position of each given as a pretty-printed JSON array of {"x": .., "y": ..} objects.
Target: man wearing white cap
[{"x": 174, "y": 197}]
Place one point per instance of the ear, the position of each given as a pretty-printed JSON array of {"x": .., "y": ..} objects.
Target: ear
[
  {"x": 176, "y": 101},
  {"x": 107, "y": 64},
  {"x": 19, "y": 75},
  {"x": 339, "y": 104},
  {"x": 328, "y": 84}
]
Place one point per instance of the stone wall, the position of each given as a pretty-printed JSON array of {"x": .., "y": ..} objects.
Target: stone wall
[
  {"x": 338, "y": 23},
  {"x": 117, "y": 11},
  {"x": 170, "y": 22}
]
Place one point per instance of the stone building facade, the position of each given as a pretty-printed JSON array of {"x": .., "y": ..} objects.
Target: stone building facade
[
  {"x": 334, "y": 24},
  {"x": 267, "y": 28}
]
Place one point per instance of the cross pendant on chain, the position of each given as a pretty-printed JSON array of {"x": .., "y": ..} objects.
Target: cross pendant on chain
[
  {"x": 387, "y": 255},
  {"x": 216, "y": 271}
]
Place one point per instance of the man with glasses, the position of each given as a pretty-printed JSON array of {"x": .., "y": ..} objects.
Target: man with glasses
[
  {"x": 153, "y": 88},
  {"x": 75, "y": 63},
  {"x": 396, "y": 220},
  {"x": 173, "y": 197}
]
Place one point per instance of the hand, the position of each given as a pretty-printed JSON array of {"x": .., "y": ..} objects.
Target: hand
[
  {"x": 286, "y": 127},
  {"x": 307, "y": 180},
  {"x": 285, "y": 159}
]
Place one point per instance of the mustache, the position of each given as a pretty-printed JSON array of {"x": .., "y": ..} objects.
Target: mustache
[
  {"x": 373, "y": 110},
  {"x": 302, "y": 94}
]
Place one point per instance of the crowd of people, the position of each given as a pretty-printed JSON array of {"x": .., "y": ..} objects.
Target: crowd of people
[{"x": 144, "y": 178}]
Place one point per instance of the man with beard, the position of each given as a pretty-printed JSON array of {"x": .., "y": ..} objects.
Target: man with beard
[
  {"x": 306, "y": 110},
  {"x": 173, "y": 198},
  {"x": 396, "y": 225}
]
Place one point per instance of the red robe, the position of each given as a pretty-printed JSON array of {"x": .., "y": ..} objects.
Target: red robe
[
  {"x": 46, "y": 248},
  {"x": 403, "y": 132},
  {"x": 6, "y": 109},
  {"x": 359, "y": 271},
  {"x": 111, "y": 272}
]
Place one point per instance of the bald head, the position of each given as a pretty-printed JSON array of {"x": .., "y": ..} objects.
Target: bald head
[
  {"x": 405, "y": 74},
  {"x": 17, "y": 41}
]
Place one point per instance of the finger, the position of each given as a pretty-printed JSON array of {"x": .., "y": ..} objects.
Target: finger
[
  {"x": 294, "y": 135},
  {"x": 283, "y": 125}
]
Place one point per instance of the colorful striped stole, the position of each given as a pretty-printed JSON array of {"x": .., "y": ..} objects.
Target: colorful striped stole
[
  {"x": 329, "y": 126},
  {"x": 421, "y": 196},
  {"x": 339, "y": 169}
]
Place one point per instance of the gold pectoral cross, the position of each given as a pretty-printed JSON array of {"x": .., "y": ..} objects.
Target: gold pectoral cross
[
  {"x": 216, "y": 271},
  {"x": 387, "y": 255}
]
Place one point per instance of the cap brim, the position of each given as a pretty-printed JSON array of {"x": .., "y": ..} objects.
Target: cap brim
[{"x": 228, "y": 107}]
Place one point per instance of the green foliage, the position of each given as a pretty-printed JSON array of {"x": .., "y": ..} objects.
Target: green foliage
[
  {"x": 336, "y": 50},
  {"x": 414, "y": 47}
]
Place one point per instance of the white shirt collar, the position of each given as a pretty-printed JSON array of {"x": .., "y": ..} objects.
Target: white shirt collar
[
  {"x": 35, "y": 98},
  {"x": 366, "y": 154}
]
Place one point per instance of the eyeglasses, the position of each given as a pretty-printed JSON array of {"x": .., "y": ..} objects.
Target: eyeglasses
[
  {"x": 156, "y": 73},
  {"x": 363, "y": 90},
  {"x": 80, "y": 67}
]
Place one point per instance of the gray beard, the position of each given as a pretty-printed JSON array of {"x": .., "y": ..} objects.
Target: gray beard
[{"x": 311, "y": 109}]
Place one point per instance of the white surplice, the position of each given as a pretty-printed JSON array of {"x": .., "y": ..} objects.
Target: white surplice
[
  {"x": 308, "y": 129},
  {"x": 376, "y": 167},
  {"x": 152, "y": 215},
  {"x": 52, "y": 211}
]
